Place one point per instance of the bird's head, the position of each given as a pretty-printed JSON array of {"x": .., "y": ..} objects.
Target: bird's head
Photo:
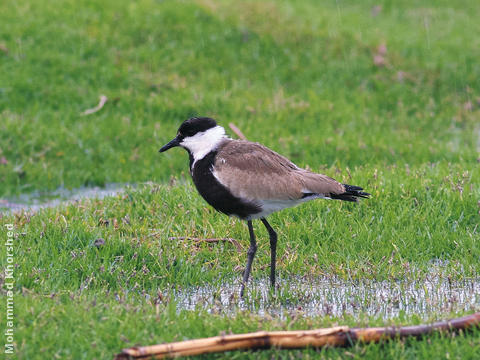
[{"x": 199, "y": 135}]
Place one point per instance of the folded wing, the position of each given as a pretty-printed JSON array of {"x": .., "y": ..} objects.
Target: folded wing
[{"x": 252, "y": 171}]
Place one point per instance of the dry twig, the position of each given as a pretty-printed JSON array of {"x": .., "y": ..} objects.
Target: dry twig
[
  {"x": 237, "y": 131},
  {"x": 101, "y": 103},
  {"x": 209, "y": 240},
  {"x": 336, "y": 336}
]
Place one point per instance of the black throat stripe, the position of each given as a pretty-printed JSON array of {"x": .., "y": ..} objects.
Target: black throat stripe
[{"x": 215, "y": 193}]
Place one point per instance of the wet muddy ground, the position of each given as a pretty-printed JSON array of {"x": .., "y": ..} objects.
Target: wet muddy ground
[
  {"x": 311, "y": 297},
  {"x": 43, "y": 199}
]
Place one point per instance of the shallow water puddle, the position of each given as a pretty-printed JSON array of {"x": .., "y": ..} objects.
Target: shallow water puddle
[
  {"x": 324, "y": 296},
  {"x": 40, "y": 200}
]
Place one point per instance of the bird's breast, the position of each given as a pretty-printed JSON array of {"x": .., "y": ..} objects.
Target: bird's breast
[{"x": 216, "y": 194}]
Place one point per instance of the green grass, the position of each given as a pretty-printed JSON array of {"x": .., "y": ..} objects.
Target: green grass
[
  {"x": 307, "y": 86},
  {"x": 296, "y": 76}
]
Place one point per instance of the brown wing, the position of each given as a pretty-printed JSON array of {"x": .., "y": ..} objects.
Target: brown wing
[{"x": 252, "y": 171}]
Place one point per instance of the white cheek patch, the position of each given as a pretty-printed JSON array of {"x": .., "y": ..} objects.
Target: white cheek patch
[{"x": 204, "y": 142}]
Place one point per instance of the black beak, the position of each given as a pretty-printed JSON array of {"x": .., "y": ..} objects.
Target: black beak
[{"x": 171, "y": 144}]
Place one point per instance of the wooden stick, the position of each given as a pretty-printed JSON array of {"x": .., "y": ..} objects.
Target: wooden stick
[{"x": 336, "y": 336}]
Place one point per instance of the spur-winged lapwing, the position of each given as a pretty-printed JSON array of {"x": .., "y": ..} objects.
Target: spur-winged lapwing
[{"x": 250, "y": 181}]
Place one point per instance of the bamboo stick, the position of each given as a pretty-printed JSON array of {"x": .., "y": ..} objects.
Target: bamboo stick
[{"x": 336, "y": 336}]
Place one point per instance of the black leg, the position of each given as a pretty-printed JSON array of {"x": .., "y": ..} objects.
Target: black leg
[
  {"x": 250, "y": 255},
  {"x": 273, "y": 249}
]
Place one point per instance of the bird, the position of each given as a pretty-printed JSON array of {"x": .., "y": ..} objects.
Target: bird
[{"x": 249, "y": 181}]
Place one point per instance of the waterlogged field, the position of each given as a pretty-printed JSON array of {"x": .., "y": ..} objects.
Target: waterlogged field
[{"x": 385, "y": 95}]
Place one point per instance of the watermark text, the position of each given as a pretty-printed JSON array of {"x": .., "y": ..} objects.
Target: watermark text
[{"x": 9, "y": 283}]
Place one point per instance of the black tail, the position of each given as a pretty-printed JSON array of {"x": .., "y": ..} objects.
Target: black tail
[{"x": 352, "y": 193}]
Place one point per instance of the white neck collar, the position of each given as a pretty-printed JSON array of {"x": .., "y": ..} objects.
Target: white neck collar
[{"x": 204, "y": 142}]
